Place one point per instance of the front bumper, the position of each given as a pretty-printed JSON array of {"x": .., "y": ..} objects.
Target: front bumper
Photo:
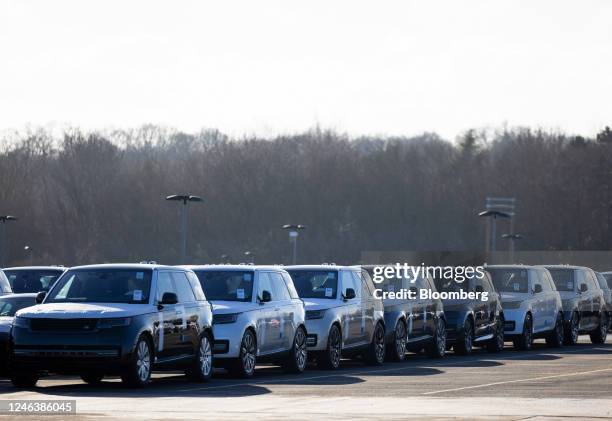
[
  {"x": 228, "y": 337},
  {"x": 318, "y": 333},
  {"x": 513, "y": 322}
]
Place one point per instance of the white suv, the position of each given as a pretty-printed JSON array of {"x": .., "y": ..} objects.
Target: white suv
[
  {"x": 257, "y": 315},
  {"x": 531, "y": 304}
]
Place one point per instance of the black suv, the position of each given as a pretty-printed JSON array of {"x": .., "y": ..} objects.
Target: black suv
[
  {"x": 126, "y": 319},
  {"x": 473, "y": 321}
]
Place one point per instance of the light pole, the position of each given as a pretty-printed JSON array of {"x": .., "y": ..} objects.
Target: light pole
[
  {"x": 493, "y": 214},
  {"x": 293, "y": 236},
  {"x": 512, "y": 238},
  {"x": 30, "y": 252},
  {"x": 3, "y": 249},
  {"x": 185, "y": 198},
  {"x": 249, "y": 254}
]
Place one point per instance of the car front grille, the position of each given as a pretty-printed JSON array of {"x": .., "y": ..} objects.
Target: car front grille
[{"x": 63, "y": 325}]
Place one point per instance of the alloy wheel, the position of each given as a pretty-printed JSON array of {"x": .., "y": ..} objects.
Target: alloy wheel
[
  {"x": 334, "y": 347},
  {"x": 205, "y": 357},
  {"x": 400, "y": 339},
  {"x": 143, "y": 361},
  {"x": 300, "y": 349},
  {"x": 247, "y": 352}
]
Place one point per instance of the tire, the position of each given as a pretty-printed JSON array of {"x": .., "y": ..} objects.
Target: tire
[
  {"x": 138, "y": 372},
  {"x": 496, "y": 344},
  {"x": 244, "y": 366},
  {"x": 202, "y": 366},
  {"x": 330, "y": 358},
  {"x": 92, "y": 377},
  {"x": 572, "y": 330},
  {"x": 437, "y": 347},
  {"x": 376, "y": 350},
  {"x": 555, "y": 337},
  {"x": 525, "y": 341},
  {"x": 298, "y": 356},
  {"x": 24, "y": 380},
  {"x": 599, "y": 335},
  {"x": 465, "y": 341},
  {"x": 396, "y": 350}
]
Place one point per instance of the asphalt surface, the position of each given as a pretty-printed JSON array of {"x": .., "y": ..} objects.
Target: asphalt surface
[{"x": 546, "y": 383}]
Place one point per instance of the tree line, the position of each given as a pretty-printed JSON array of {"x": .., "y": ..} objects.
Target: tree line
[{"x": 84, "y": 197}]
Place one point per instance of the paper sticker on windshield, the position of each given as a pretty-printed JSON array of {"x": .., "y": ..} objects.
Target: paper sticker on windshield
[
  {"x": 246, "y": 277},
  {"x": 139, "y": 275},
  {"x": 329, "y": 292},
  {"x": 137, "y": 295},
  {"x": 240, "y": 294},
  {"x": 516, "y": 286},
  {"x": 570, "y": 285}
]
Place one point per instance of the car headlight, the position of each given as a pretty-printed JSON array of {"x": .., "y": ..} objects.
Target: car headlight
[
  {"x": 21, "y": 322},
  {"x": 225, "y": 318},
  {"x": 512, "y": 304},
  {"x": 314, "y": 314},
  {"x": 119, "y": 322}
]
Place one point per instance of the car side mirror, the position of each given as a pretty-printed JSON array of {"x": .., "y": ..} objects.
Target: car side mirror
[
  {"x": 266, "y": 297},
  {"x": 537, "y": 288},
  {"x": 349, "y": 294},
  {"x": 583, "y": 288},
  {"x": 169, "y": 298},
  {"x": 40, "y": 297},
  {"x": 479, "y": 288}
]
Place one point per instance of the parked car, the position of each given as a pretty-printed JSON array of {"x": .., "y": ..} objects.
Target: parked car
[
  {"x": 584, "y": 307},
  {"x": 605, "y": 283},
  {"x": 473, "y": 322},
  {"x": 9, "y": 304},
  {"x": 126, "y": 319},
  {"x": 5, "y": 286},
  {"x": 32, "y": 279},
  {"x": 412, "y": 324},
  {"x": 342, "y": 315},
  {"x": 532, "y": 305},
  {"x": 257, "y": 316}
]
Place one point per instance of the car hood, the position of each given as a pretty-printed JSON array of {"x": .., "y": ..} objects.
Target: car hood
[
  {"x": 321, "y": 303},
  {"x": 513, "y": 296},
  {"x": 229, "y": 307},
  {"x": 81, "y": 310}
]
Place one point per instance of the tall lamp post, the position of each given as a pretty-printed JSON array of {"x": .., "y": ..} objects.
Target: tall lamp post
[
  {"x": 493, "y": 215},
  {"x": 249, "y": 256},
  {"x": 512, "y": 238},
  {"x": 293, "y": 236},
  {"x": 30, "y": 252},
  {"x": 184, "y": 198},
  {"x": 4, "y": 219}
]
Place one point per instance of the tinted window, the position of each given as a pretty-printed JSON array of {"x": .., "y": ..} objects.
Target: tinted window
[
  {"x": 5, "y": 287},
  {"x": 289, "y": 282},
  {"x": 227, "y": 285},
  {"x": 315, "y": 283},
  {"x": 183, "y": 289},
  {"x": 278, "y": 284},
  {"x": 196, "y": 287},
  {"x": 265, "y": 284},
  {"x": 510, "y": 279},
  {"x": 164, "y": 284},
  {"x": 563, "y": 278},
  {"x": 102, "y": 286},
  {"x": 32, "y": 280},
  {"x": 10, "y": 305}
]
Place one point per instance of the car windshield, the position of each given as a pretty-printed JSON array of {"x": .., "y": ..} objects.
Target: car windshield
[
  {"x": 5, "y": 287},
  {"x": 315, "y": 283},
  {"x": 510, "y": 280},
  {"x": 563, "y": 278},
  {"x": 32, "y": 280},
  {"x": 10, "y": 304},
  {"x": 102, "y": 286},
  {"x": 608, "y": 278},
  {"x": 227, "y": 285}
]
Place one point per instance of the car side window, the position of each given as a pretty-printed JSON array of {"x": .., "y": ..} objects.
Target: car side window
[
  {"x": 278, "y": 285},
  {"x": 290, "y": 286},
  {"x": 364, "y": 288},
  {"x": 164, "y": 284},
  {"x": 265, "y": 284},
  {"x": 548, "y": 278},
  {"x": 183, "y": 289},
  {"x": 347, "y": 281},
  {"x": 196, "y": 286}
]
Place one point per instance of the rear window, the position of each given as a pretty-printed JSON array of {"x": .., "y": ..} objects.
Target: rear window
[{"x": 564, "y": 279}]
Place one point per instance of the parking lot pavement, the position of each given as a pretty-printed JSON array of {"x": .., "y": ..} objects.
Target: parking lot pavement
[{"x": 544, "y": 383}]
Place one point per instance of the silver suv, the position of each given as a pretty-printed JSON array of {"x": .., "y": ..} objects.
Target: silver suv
[
  {"x": 342, "y": 315},
  {"x": 257, "y": 316}
]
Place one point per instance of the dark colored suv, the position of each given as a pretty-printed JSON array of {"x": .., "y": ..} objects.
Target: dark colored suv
[
  {"x": 473, "y": 321},
  {"x": 126, "y": 319}
]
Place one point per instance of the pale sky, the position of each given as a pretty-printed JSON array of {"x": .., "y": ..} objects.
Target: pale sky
[{"x": 268, "y": 67}]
